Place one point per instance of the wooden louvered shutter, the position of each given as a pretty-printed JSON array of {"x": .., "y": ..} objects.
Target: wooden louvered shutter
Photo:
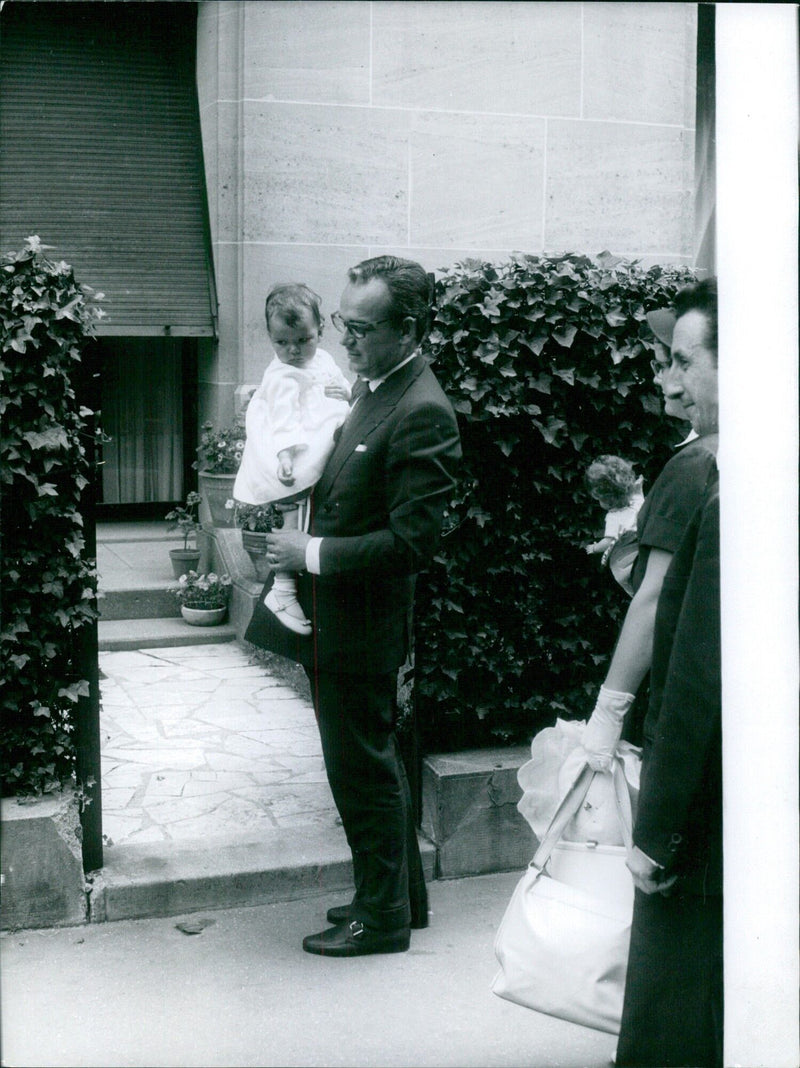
[{"x": 101, "y": 156}]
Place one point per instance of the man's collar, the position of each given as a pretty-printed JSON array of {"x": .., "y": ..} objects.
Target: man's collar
[
  {"x": 690, "y": 437},
  {"x": 373, "y": 383}
]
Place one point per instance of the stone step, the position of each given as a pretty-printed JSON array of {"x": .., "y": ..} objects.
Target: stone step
[
  {"x": 149, "y": 602},
  {"x": 152, "y": 633},
  {"x": 172, "y": 878}
]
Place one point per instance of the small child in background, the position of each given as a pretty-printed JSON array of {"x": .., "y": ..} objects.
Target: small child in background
[
  {"x": 613, "y": 483},
  {"x": 290, "y": 422}
]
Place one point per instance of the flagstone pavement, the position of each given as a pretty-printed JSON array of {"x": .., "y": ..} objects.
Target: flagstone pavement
[{"x": 203, "y": 740}]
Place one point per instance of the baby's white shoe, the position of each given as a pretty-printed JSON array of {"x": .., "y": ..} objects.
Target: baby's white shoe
[{"x": 288, "y": 611}]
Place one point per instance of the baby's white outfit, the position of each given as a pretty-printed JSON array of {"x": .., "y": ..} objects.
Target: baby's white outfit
[
  {"x": 619, "y": 520},
  {"x": 621, "y": 526},
  {"x": 289, "y": 410}
]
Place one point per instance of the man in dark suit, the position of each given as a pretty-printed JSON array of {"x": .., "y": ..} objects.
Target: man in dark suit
[
  {"x": 376, "y": 516},
  {"x": 673, "y": 1011}
]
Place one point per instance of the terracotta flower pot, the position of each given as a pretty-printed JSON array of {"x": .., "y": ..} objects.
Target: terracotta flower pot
[
  {"x": 254, "y": 542},
  {"x": 184, "y": 560},
  {"x": 216, "y": 489},
  {"x": 204, "y": 617}
]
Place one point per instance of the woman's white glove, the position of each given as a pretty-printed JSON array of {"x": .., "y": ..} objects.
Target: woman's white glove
[{"x": 602, "y": 732}]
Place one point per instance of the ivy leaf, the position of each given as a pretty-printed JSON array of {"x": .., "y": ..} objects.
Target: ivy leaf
[
  {"x": 34, "y": 244},
  {"x": 75, "y": 691},
  {"x": 616, "y": 317},
  {"x": 542, "y": 383},
  {"x": 53, "y": 438},
  {"x": 486, "y": 354},
  {"x": 68, "y": 311},
  {"x": 566, "y": 336}
]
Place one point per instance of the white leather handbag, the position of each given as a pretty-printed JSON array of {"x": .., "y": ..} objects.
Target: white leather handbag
[{"x": 563, "y": 941}]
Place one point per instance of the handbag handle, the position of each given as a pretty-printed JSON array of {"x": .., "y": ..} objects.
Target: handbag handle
[
  {"x": 571, "y": 803},
  {"x": 623, "y": 799}
]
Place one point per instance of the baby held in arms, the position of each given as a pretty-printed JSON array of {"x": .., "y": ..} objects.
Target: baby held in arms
[{"x": 291, "y": 420}]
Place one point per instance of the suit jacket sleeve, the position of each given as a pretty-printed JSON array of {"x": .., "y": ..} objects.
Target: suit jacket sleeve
[
  {"x": 679, "y": 810},
  {"x": 421, "y": 456}
]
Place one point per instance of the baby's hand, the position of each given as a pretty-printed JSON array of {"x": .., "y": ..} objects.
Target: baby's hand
[
  {"x": 285, "y": 468},
  {"x": 337, "y": 391},
  {"x": 600, "y": 546}
]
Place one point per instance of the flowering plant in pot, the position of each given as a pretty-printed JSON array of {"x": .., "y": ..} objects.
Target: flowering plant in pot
[
  {"x": 203, "y": 599},
  {"x": 258, "y": 518},
  {"x": 218, "y": 457},
  {"x": 185, "y": 519},
  {"x": 220, "y": 451},
  {"x": 256, "y": 521}
]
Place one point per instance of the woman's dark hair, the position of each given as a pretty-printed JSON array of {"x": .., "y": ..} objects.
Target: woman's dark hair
[
  {"x": 701, "y": 297},
  {"x": 411, "y": 289},
  {"x": 290, "y": 300},
  {"x": 611, "y": 480}
]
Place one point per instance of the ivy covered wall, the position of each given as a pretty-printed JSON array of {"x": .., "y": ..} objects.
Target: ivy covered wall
[{"x": 547, "y": 362}]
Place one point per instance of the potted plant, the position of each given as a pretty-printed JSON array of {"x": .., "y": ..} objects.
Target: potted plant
[
  {"x": 219, "y": 455},
  {"x": 255, "y": 522},
  {"x": 203, "y": 598},
  {"x": 185, "y": 519}
]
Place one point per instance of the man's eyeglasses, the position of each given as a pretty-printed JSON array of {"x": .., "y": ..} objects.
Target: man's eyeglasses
[
  {"x": 658, "y": 368},
  {"x": 358, "y": 330}
]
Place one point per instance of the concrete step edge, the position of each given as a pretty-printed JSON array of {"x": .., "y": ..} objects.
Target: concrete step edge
[
  {"x": 174, "y": 878},
  {"x": 116, "y": 635},
  {"x": 147, "y": 589}
]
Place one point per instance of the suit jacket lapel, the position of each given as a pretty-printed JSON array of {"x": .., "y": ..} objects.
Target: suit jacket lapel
[{"x": 371, "y": 410}]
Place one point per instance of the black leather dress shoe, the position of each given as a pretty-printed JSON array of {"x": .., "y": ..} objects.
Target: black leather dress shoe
[
  {"x": 355, "y": 940},
  {"x": 341, "y": 914}
]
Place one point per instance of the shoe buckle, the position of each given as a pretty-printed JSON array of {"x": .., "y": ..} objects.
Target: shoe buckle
[{"x": 356, "y": 929}]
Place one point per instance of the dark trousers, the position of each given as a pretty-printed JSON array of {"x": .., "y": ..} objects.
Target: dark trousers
[
  {"x": 356, "y": 716},
  {"x": 673, "y": 1011}
]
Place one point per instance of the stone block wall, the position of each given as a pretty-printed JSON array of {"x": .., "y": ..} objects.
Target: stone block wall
[
  {"x": 469, "y": 811},
  {"x": 341, "y": 129},
  {"x": 42, "y": 870}
]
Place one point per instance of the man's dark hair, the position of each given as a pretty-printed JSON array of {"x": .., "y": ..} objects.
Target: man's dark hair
[
  {"x": 701, "y": 297},
  {"x": 410, "y": 288}
]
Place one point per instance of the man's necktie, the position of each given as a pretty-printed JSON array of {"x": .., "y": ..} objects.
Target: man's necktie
[{"x": 359, "y": 388}]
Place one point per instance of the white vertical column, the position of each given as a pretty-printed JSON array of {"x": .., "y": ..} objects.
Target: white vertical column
[{"x": 756, "y": 46}]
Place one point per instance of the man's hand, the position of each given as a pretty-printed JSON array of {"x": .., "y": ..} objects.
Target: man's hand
[
  {"x": 286, "y": 550},
  {"x": 647, "y": 875}
]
